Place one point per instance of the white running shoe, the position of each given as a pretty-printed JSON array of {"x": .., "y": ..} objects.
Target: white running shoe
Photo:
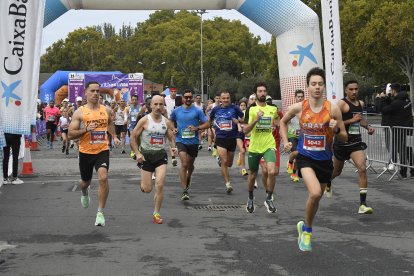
[
  {"x": 16, "y": 181},
  {"x": 365, "y": 210},
  {"x": 328, "y": 192}
]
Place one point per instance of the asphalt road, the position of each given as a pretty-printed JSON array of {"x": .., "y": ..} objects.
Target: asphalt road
[{"x": 45, "y": 231}]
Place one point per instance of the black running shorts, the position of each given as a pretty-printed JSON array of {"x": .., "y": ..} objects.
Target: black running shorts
[
  {"x": 229, "y": 144},
  {"x": 322, "y": 168},
  {"x": 89, "y": 161},
  {"x": 153, "y": 161},
  {"x": 191, "y": 150},
  {"x": 343, "y": 152}
]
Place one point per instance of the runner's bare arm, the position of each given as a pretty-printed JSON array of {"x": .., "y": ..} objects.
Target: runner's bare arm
[
  {"x": 248, "y": 127},
  {"x": 135, "y": 137},
  {"x": 171, "y": 137},
  {"x": 75, "y": 131},
  {"x": 337, "y": 124}
]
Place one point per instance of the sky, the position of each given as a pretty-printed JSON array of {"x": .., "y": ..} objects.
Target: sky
[{"x": 74, "y": 19}]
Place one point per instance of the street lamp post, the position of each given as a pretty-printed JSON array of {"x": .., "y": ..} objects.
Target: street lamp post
[{"x": 201, "y": 12}]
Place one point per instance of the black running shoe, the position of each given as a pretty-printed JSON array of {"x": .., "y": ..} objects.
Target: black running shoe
[
  {"x": 185, "y": 196},
  {"x": 270, "y": 206},
  {"x": 250, "y": 205}
]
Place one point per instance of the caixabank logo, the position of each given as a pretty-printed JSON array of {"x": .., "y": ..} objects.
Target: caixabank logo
[
  {"x": 301, "y": 53},
  {"x": 13, "y": 58},
  {"x": 9, "y": 95}
]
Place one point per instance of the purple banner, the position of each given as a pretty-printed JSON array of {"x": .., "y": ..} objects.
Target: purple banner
[
  {"x": 124, "y": 85},
  {"x": 76, "y": 85},
  {"x": 136, "y": 86}
]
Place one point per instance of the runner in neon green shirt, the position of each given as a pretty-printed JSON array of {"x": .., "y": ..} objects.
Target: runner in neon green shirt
[{"x": 262, "y": 144}]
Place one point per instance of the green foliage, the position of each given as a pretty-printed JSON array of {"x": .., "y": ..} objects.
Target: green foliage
[{"x": 173, "y": 37}]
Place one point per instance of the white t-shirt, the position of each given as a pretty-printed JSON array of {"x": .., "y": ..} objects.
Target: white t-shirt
[
  {"x": 199, "y": 106},
  {"x": 170, "y": 103},
  {"x": 64, "y": 124}
]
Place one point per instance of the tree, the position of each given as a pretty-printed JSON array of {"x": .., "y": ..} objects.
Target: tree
[
  {"x": 173, "y": 37},
  {"x": 379, "y": 39}
]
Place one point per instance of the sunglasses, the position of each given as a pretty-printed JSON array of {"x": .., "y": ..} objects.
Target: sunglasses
[{"x": 188, "y": 97}]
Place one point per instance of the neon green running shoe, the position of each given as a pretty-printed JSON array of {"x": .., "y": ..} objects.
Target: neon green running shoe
[
  {"x": 85, "y": 199},
  {"x": 100, "y": 219},
  {"x": 304, "y": 238}
]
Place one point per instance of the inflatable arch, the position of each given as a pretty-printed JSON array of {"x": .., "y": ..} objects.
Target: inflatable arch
[
  {"x": 294, "y": 24},
  {"x": 50, "y": 87}
]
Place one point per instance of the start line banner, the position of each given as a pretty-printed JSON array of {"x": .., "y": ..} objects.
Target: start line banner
[
  {"x": 21, "y": 26},
  {"x": 125, "y": 84}
]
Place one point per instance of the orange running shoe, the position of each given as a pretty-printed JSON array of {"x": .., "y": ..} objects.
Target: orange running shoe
[
  {"x": 289, "y": 167},
  {"x": 156, "y": 218}
]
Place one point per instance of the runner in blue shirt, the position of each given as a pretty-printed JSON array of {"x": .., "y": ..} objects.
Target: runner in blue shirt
[
  {"x": 189, "y": 120},
  {"x": 225, "y": 118}
]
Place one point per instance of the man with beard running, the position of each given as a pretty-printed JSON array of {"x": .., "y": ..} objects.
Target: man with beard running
[
  {"x": 262, "y": 144},
  {"x": 189, "y": 120}
]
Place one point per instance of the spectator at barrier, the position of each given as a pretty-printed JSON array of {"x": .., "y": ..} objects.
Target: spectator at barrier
[
  {"x": 385, "y": 121},
  {"x": 398, "y": 111}
]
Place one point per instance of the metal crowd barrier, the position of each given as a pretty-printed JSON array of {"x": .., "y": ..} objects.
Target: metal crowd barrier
[{"x": 391, "y": 146}]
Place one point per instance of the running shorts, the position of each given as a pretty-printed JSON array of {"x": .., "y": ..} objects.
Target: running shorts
[
  {"x": 89, "y": 161},
  {"x": 322, "y": 168}
]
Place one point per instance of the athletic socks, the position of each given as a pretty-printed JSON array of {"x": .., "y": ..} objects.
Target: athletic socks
[
  {"x": 85, "y": 193},
  {"x": 251, "y": 195},
  {"x": 304, "y": 228},
  {"x": 100, "y": 209},
  {"x": 269, "y": 195},
  {"x": 363, "y": 196}
]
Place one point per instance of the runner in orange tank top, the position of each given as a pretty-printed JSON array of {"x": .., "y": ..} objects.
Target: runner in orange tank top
[
  {"x": 91, "y": 123},
  {"x": 319, "y": 121}
]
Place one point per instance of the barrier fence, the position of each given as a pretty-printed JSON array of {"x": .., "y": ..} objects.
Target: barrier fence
[{"x": 392, "y": 147}]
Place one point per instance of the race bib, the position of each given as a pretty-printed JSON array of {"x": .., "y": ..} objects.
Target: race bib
[
  {"x": 265, "y": 123},
  {"x": 226, "y": 125},
  {"x": 186, "y": 133},
  {"x": 51, "y": 118},
  {"x": 354, "y": 128},
  {"x": 98, "y": 137},
  {"x": 156, "y": 139},
  {"x": 64, "y": 126},
  {"x": 134, "y": 116},
  {"x": 314, "y": 142}
]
